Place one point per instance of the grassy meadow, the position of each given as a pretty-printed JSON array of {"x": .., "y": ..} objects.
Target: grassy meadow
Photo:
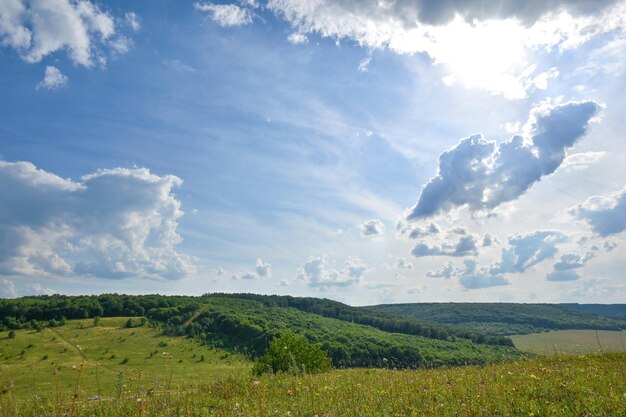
[
  {"x": 80, "y": 370},
  {"x": 572, "y": 341},
  {"x": 90, "y": 360},
  {"x": 592, "y": 385}
]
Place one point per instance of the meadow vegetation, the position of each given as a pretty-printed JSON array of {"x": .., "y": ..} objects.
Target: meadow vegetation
[{"x": 593, "y": 385}]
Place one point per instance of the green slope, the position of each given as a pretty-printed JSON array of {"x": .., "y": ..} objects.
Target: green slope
[
  {"x": 79, "y": 356},
  {"x": 504, "y": 318},
  {"x": 247, "y": 326},
  {"x": 246, "y": 323}
]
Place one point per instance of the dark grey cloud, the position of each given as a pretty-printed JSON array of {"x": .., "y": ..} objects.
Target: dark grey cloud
[
  {"x": 481, "y": 174},
  {"x": 432, "y": 12},
  {"x": 114, "y": 223},
  {"x": 465, "y": 246},
  {"x": 605, "y": 215},
  {"x": 526, "y": 251}
]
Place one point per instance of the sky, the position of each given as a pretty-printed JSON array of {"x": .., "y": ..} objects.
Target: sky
[{"x": 363, "y": 151}]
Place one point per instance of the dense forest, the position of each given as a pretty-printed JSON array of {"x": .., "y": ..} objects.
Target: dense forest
[
  {"x": 608, "y": 310},
  {"x": 403, "y": 335},
  {"x": 511, "y": 318},
  {"x": 246, "y": 323}
]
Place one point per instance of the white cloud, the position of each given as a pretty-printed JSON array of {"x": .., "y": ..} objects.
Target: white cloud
[
  {"x": 402, "y": 263},
  {"x": 38, "y": 28},
  {"x": 485, "y": 45},
  {"x": 114, "y": 223},
  {"x": 132, "y": 20},
  {"x": 38, "y": 289},
  {"x": 465, "y": 246},
  {"x": 373, "y": 227},
  {"x": 365, "y": 64},
  {"x": 52, "y": 79},
  {"x": 7, "y": 289},
  {"x": 481, "y": 174},
  {"x": 179, "y": 66},
  {"x": 226, "y": 15},
  {"x": 472, "y": 277},
  {"x": 416, "y": 232},
  {"x": 582, "y": 159},
  {"x": 445, "y": 271},
  {"x": 527, "y": 250},
  {"x": 317, "y": 272},
  {"x": 263, "y": 269},
  {"x": 297, "y": 38},
  {"x": 246, "y": 275},
  {"x": 605, "y": 214}
]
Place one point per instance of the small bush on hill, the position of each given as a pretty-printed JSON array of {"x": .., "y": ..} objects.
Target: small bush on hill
[{"x": 293, "y": 354}]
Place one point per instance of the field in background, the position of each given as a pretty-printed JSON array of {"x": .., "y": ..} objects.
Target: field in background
[
  {"x": 572, "y": 341},
  {"x": 105, "y": 359}
]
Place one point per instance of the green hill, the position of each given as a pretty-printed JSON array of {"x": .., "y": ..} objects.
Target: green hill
[
  {"x": 245, "y": 324},
  {"x": 504, "y": 318},
  {"x": 99, "y": 360}
]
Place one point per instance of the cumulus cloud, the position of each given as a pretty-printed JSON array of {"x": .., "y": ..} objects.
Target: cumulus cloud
[
  {"x": 37, "y": 28},
  {"x": 38, "y": 289},
  {"x": 527, "y": 250},
  {"x": 246, "y": 275},
  {"x": 226, "y": 15},
  {"x": 472, "y": 277},
  {"x": 465, "y": 246},
  {"x": 483, "y": 44},
  {"x": 423, "y": 231},
  {"x": 7, "y": 289},
  {"x": 489, "y": 240},
  {"x": 402, "y": 263},
  {"x": 481, "y": 174},
  {"x": 263, "y": 269},
  {"x": 52, "y": 79},
  {"x": 605, "y": 214},
  {"x": 114, "y": 223},
  {"x": 317, "y": 272},
  {"x": 446, "y": 271},
  {"x": 373, "y": 227}
]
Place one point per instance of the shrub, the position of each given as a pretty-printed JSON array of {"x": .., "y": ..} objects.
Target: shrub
[{"x": 293, "y": 354}]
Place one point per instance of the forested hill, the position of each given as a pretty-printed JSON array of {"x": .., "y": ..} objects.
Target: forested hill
[
  {"x": 246, "y": 323},
  {"x": 509, "y": 318},
  {"x": 617, "y": 311}
]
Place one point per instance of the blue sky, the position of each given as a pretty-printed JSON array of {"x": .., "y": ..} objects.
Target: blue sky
[{"x": 361, "y": 151}]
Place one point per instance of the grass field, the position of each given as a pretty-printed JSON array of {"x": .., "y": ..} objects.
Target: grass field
[
  {"x": 81, "y": 358},
  {"x": 592, "y": 385},
  {"x": 572, "y": 341}
]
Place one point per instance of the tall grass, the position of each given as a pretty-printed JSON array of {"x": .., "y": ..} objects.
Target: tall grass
[{"x": 593, "y": 385}]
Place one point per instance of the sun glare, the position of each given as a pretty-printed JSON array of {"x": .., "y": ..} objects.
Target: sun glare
[{"x": 488, "y": 55}]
